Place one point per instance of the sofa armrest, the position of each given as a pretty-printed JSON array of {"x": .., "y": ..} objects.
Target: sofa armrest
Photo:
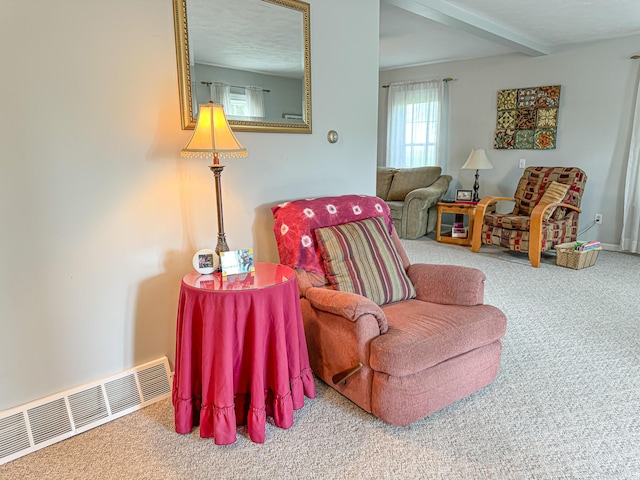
[
  {"x": 447, "y": 284},
  {"x": 432, "y": 194},
  {"x": 345, "y": 304}
]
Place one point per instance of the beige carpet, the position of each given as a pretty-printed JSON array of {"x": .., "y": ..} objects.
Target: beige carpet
[{"x": 566, "y": 404}]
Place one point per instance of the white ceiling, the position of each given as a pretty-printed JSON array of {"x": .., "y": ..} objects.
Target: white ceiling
[
  {"x": 266, "y": 38},
  {"x": 415, "y": 32},
  {"x": 247, "y": 35}
]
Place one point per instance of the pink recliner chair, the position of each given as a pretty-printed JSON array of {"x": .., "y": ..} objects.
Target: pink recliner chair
[{"x": 424, "y": 341}]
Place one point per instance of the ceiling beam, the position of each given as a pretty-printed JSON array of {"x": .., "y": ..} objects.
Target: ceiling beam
[{"x": 453, "y": 16}]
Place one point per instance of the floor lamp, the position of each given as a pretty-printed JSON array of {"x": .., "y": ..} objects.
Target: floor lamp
[
  {"x": 213, "y": 138},
  {"x": 477, "y": 161}
]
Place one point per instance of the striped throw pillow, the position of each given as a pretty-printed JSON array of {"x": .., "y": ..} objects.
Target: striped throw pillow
[
  {"x": 359, "y": 257},
  {"x": 555, "y": 192}
]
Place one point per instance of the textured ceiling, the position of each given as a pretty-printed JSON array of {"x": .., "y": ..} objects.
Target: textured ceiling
[
  {"x": 414, "y": 32},
  {"x": 259, "y": 36},
  {"x": 559, "y": 22},
  {"x": 247, "y": 35},
  {"x": 409, "y": 39}
]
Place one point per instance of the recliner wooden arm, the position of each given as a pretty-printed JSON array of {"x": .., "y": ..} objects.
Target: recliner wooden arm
[
  {"x": 540, "y": 208},
  {"x": 481, "y": 209},
  {"x": 535, "y": 228}
]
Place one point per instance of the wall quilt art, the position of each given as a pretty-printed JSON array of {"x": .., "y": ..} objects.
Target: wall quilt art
[{"x": 527, "y": 118}]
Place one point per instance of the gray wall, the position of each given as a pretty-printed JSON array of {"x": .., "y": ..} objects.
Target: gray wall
[
  {"x": 284, "y": 96},
  {"x": 100, "y": 215},
  {"x": 599, "y": 83}
]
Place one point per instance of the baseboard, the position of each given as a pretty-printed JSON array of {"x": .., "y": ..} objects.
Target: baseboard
[{"x": 41, "y": 423}]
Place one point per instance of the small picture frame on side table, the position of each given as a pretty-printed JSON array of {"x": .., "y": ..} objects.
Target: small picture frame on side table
[
  {"x": 464, "y": 195},
  {"x": 205, "y": 261},
  {"x": 236, "y": 261}
]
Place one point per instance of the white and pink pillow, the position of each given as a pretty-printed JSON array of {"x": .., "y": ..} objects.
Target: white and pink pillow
[{"x": 296, "y": 222}]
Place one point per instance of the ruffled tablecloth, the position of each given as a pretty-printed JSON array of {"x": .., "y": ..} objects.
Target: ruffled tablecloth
[{"x": 241, "y": 356}]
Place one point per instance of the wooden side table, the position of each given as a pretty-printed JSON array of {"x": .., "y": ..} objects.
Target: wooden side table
[{"x": 468, "y": 209}]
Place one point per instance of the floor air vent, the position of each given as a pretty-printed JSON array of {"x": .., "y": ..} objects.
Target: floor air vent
[{"x": 44, "y": 422}]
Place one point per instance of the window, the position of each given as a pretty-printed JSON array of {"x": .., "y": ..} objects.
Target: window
[
  {"x": 415, "y": 112},
  {"x": 247, "y": 102},
  {"x": 238, "y": 105}
]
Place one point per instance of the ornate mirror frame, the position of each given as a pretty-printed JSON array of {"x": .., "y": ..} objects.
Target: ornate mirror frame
[{"x": 184, "y": 74}]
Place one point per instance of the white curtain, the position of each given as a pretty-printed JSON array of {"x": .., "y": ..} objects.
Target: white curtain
[
  {"x": 255, "y": 101},
  {"x": 630, "y": 240},
  {"x": 220, "y": 94},
  {"x": 414, "y": 123}
]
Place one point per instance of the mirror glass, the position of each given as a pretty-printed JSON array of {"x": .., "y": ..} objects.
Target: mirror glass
[{"x": 252, "y": 56}]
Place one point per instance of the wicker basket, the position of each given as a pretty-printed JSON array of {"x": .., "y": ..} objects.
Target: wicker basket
[{"x": 568, "y": 257}]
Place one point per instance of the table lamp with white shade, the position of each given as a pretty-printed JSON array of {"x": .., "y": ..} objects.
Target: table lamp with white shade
[
  {"x": 213, "y": 137},
  {"x": 477, "y": 161}
]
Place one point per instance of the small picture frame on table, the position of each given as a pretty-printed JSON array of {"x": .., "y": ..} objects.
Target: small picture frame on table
[
  {"x": 236, "y": 261},
  {"x": 464, "y": 195},
  {"x": 205, "y": 261}
]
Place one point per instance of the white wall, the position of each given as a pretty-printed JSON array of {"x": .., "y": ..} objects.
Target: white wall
[
  {"x": 100, "y": 216},
  {"x": 598, "y": 90}
]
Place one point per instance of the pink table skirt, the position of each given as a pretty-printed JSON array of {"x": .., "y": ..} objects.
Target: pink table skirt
[{"x": 240, "y": 356}]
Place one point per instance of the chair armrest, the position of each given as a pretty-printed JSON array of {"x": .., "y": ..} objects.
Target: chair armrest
[
  {"x": 535, "y": 228},
  {"x": 485, "y": 204},
  {"x": 540, "y": 208},
  {"x": 447, "y": 284},
  {"x": 345, "y": 304},
  {"x": 431, "y": 194}
]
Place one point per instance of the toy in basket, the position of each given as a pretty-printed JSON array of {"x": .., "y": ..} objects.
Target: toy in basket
[{"x": 577, "y": 255}]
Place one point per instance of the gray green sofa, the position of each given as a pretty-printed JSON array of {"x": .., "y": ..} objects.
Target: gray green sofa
[{"x": 412, "y": 195}]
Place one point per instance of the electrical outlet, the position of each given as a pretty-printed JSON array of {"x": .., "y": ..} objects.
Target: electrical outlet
[
  {"x": 598, "y": 218},
  {"x": 523, "y": 162}
]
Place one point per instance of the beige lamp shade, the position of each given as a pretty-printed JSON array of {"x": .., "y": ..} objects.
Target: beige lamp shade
[
  {"x": 213, "y": 136},
  {"x": 477, "y": 160}
]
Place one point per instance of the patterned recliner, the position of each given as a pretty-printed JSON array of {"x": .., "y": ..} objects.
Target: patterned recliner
[{"x": 525, "y": 229}]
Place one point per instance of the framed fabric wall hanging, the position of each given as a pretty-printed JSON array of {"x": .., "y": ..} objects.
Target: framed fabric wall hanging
[{"x": 527, "y": 118}]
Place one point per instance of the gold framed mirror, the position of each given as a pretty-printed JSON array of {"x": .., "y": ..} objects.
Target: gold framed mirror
[{"x": 252, "y": 56}]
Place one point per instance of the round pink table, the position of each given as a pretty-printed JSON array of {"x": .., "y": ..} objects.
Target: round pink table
[{"x": 241, "y": 353}]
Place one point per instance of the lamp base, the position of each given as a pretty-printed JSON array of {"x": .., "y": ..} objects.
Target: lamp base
[
  {"x": 221, "y": 246},
  {"x": 476, "y": 187}
]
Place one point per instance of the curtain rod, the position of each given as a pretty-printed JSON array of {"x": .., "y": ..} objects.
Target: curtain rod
[
  {"x": 208, "y": 84},
  {"x": 448, "y": 79}
]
